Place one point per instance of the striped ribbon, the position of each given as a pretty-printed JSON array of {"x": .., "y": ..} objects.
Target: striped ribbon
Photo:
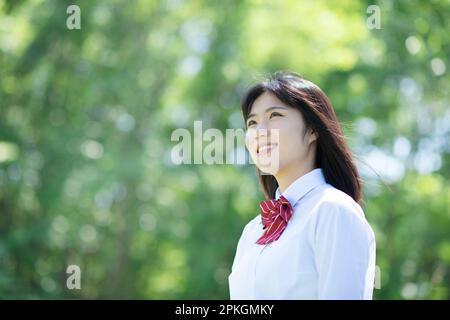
[{"x": 275, "y": 215}]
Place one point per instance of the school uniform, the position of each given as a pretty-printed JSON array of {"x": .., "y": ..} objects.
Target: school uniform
[{"x": 325, "y": 251}]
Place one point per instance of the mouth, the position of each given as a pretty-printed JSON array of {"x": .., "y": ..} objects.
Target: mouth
[{"x": 265, "y": 149}]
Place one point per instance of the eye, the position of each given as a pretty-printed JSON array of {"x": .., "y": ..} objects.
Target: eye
[
  {"x": 275, "y": 114},
  {"x": 250, "y": 123}
]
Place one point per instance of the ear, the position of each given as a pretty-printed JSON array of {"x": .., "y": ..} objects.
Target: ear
[{"x": 313, "y": 136}]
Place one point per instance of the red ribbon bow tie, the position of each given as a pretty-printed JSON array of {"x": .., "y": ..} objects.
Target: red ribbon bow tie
[{"x": 275, "y": 215}]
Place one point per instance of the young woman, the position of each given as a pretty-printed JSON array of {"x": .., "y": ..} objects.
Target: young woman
[{"x": 311, "y": 240}]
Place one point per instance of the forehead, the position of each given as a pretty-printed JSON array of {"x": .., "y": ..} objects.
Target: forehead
[{"x": 264, "y": 101}]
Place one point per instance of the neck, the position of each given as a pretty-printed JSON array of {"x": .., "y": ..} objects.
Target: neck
[{"x": 291, "y": 173}]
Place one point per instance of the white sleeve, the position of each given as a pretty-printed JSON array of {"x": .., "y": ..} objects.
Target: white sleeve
[{"x": 344, "y": 252}]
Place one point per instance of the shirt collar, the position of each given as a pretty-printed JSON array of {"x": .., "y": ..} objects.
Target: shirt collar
[{"x": 302, "y": 186}]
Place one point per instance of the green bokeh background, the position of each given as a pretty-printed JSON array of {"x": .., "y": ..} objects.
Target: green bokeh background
[{"x": 86, "y": 118}]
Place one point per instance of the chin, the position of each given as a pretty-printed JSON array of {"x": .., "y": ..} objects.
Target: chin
[
  {"x": 267, "y": 164},
  {"x": 269, "y": 170}
]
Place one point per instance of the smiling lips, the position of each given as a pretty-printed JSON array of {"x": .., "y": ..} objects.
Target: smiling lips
[{"x": 266, "y": 148}]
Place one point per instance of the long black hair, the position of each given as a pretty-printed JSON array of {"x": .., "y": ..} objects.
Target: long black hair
[{"x": 333, "y": 155}]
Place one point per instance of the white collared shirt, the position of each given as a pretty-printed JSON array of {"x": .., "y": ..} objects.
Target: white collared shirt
[{"x": 327, "y": 250}]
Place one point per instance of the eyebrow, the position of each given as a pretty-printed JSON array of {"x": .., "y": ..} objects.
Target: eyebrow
[{"x": 268, "y": 110}]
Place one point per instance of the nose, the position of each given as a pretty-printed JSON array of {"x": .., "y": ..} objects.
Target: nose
[
  {"x": 259, "y": 134},
  {"x": 262, "y": 130},
  {"x": 262, "y": 125},
  {"x": 256, "y": 135}
]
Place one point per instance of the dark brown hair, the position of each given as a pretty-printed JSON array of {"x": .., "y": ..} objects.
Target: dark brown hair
[{"x": 333, "y": 155}]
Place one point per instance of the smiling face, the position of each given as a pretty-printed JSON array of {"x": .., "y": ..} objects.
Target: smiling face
[{"x": 277, "y": 137}]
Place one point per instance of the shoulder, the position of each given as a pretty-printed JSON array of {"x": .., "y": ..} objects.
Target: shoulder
[
  {"x": 335, "y": 210},
  {"x": 253, "y": 222},
  {"x": 246, "y": 232},
  {"x": 250, "y": 225},
  {"x": 330, "y": 200}
]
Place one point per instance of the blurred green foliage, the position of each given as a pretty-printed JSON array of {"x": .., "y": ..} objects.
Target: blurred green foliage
[{"x": 86, "y": 118}]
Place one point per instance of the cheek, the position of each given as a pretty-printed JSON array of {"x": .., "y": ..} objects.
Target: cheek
[
  {"x": 291, "y": 145},
  {"x": 250, "y": 140},
  {"x": 289, "y": 127}
]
